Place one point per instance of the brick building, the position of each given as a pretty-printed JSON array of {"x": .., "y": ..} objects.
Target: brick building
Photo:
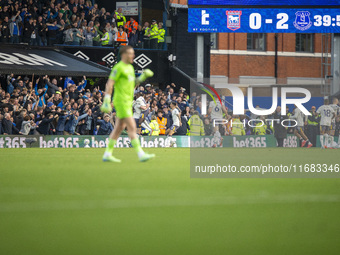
[
  {"x": 254, "y": 59},
  {"x": 271, "y": 59}
]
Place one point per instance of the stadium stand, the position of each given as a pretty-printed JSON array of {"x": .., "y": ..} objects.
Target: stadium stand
[
  {"x": 73, "y": 22},
  {"x": 62, "y": 106}
]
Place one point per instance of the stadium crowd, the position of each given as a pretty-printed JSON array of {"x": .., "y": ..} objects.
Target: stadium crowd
[
  {"x": 74, "y": 22},
  {"x": 65, "y": 106},
  {"x": 62, "y": 106}
]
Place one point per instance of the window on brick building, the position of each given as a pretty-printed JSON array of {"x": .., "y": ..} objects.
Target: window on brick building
[
  {"x": 256, "y": 41},
  {"x": 213, "y": 39},
  {"x": 304, "y": 43}
]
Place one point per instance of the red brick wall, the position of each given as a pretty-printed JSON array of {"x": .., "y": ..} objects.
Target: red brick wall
[
  {"x": 234, "y": 66},
  {"x": 184, "y": 2}
]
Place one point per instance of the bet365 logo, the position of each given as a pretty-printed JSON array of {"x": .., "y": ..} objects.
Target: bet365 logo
[{"x": 205, "y": 17}]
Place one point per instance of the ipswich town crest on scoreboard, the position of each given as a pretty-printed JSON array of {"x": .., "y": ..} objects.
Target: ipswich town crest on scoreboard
[
  {"x": 302, "y": 20},
  {"x": 234, "y": 19}
]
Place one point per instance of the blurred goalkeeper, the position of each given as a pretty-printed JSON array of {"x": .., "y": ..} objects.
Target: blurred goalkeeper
[{"x": 124, "y": 80}]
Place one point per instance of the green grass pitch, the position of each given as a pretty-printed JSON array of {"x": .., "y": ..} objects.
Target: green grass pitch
[{"x": 66, "y": 201}]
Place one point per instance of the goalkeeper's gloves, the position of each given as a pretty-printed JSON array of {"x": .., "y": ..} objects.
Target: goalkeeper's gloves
[
  {"x": 146, "y": 74},
  {"x": 106, "y": 106}
]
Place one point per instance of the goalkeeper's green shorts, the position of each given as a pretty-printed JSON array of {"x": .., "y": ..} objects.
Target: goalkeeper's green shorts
[{"x": 123, "y": 110}]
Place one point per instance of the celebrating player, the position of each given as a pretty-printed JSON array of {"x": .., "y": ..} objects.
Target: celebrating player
[
  {"x": 327, "y": 114},
  {"x": 336, "y": 109},
  {"x": 216, "y": 111},
  {"x": 141, "y": 110},
  {"x": 299, "y": 129},
  {"x": 123, "y": 78},
  {"x": 176, "y": 118}
]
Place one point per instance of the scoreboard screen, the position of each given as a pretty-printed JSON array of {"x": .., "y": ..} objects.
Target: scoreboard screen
[
  {"x": 265, "y": 2},
  {"x": 264, "y": 20}
]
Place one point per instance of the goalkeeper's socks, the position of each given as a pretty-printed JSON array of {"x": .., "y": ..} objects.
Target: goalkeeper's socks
[
  {"x": 110, "y": 146},
  {"x": 136, "y": 145}
]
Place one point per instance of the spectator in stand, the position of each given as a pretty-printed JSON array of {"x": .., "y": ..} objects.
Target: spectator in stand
[
  {"x": 121, "y": 36},
  {"x": 1, "y": 129},
  {"x": 52, "y": 32},
  {"x": 41, "y": 94},
  {"x": 45, "y": 126},
  {"x": 133, "y": 39},
  {"x": 111, "y": 32},
  {"x": 68, "y": 35},
  {"x": 77, "y": 35},
  {"x": 61, "y": 121},
  {"x": 161, "y": 34},
  {"x": 119, "y": 17},
  {"x": 34, "y": 35},
  {"x": 8, "y": 126},
  {"x": 130, "y": 25},
  {"x": 52, "y": 86},
  {"x": 89, "y": 34},
  {"x": 14, "y": 27},
  {"x": 20, "y": 118},
  {"x": 28, "y": 30},
  {"x": 146, "y": 35},
  {"x": 70, "y": 128},
  {"x": 162, "y": 122},
  {"x": 5, "y": 31},
  {"x": 153, "y": 35},
  {"x": 42, "y": 32},
  {"x": 73, "y": 94},
  {"x": 51, "y": 20},
  {"x": 140, "y": 35},
  {"x": 27, "y": 125},
  {"x": 96, "y": 40},
  {"x": 105, "y": 39},
  {"x": 88, "y": 123},
  {"x": 105, "y": 126}
]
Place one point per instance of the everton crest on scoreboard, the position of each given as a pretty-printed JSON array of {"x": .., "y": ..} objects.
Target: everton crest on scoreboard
[
  {"x": 302, "y": 20},
  {"x": 264, "y": 20}
]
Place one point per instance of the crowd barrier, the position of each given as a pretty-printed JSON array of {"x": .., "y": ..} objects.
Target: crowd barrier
[{"x": 53, "y": 141}]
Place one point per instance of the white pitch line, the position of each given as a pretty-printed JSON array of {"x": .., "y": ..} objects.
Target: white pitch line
[{"x": 124, "y": 203}]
